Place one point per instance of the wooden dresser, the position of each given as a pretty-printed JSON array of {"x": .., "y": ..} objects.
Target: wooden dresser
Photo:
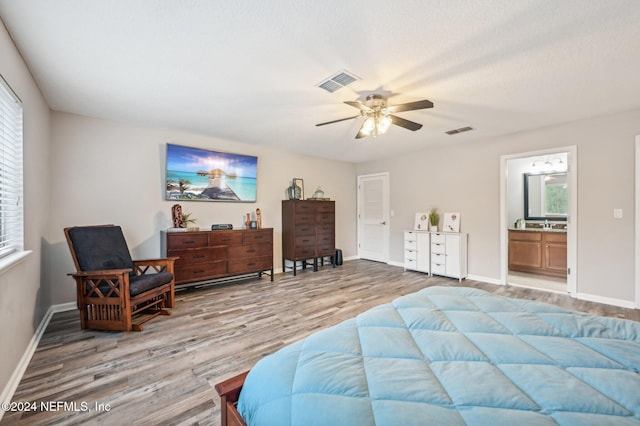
[
  {"x": 209, "y": 255},
  {"x": 308, "y": 231}
]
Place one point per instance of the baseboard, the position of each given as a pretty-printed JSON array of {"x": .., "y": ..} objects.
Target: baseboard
[
  {"x": 16, "y": 377},
  {"x": 606, "y": 300}
]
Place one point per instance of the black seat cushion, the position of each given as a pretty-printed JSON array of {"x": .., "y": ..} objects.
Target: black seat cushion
[
  {"x": 101, "y": 247},
  {"x": 141, "y": 283}
]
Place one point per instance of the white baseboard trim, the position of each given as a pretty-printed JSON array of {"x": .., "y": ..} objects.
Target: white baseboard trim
[
  {"x": 16, "y": 377},
  {"x": 605, "y": 300}
]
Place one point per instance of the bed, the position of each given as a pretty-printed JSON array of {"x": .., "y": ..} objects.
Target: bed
[{"x": 448, "y": 355}]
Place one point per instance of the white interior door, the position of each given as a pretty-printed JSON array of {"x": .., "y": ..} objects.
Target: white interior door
[{"x": 373, "y": 217}]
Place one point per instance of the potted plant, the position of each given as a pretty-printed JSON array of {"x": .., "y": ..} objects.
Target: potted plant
[
  {"x": 434, "y": 218},
  {"x": 186, "y": 220}
]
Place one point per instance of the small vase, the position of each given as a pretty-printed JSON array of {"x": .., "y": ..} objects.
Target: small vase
[
  {"x": 318, "y": 194},
  {"x": 294, "y": 191}
]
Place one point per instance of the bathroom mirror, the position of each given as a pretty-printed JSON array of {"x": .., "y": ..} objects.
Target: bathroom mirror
[{"x": 546, "y": 196}]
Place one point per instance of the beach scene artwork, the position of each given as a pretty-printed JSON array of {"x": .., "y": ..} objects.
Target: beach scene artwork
[{"x": 204, "y": 175}]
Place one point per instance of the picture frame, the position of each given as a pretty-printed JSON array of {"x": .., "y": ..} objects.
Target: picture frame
[
  {"x": 422, "y": 222},
  {"x": 300, "y": 183},
  {"x": 197, "y": 174},
  {"x": 451, "y": 222}
]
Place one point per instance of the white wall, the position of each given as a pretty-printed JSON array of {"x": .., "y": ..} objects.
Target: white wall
[
  {"x": 109, "y": 172},
  {"x": 464, "y": 177},
  {"x": 23, "y": 301}
]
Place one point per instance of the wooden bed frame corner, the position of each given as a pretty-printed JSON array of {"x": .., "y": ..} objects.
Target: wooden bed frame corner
[{"x": 229, "y": 391}]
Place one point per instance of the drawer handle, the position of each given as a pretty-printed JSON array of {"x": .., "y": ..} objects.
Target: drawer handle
[
  {"x": 189, "y": 242},
  {"x": 226, "y": 239},
  {"x": 257, "y": 237},
  {"x": 251, "y": 264},
  {"x": 251, "y": 251},
  {"x": 200, "y": 256},
  {"x": 198, "y": 271}
]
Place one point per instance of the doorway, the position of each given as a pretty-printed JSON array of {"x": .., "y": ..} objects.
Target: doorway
[
  {"x": 373, "y": 217},
  {"x": 546, "y": 269}
]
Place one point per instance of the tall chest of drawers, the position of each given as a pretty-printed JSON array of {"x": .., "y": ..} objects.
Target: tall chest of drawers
[
  {"x": 308, "y": 231},
  {"x": 449, "y": 254},
  {"x": 209, "y": 255},
  {"x": 416, "y": 251}
]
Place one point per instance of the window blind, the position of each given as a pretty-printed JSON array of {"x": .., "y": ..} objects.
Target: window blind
[{"x": 11, "y": 209}]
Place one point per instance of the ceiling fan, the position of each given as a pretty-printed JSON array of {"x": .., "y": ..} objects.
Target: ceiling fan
[{"x": 379, "y": 116}]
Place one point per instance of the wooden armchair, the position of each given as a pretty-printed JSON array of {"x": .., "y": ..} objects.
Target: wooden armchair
[{"x": 115, "y": 292}]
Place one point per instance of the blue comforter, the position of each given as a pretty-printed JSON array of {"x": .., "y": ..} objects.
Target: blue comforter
[{"x": 453, "y": 356}]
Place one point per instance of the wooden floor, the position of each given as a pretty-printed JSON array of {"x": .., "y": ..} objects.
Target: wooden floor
[{"x": 166, "y": 374}]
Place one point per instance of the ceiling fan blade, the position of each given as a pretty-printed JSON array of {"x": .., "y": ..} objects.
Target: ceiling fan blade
[
  {"x": 411, "y": 125},
  {"x": 337, "y": 121},
  {"x": 359, "y": 105},
  {"x": 410, "y": 106}
]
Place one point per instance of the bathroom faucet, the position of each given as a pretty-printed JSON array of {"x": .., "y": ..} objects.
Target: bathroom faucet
[{"x": 547, "y": 225}]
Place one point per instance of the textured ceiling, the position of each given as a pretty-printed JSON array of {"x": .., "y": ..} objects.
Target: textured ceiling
[{"x": 248, "y": 70}]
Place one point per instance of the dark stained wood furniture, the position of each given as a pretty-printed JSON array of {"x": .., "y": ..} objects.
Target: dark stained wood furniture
[
  {"x": 308, "y": 232},
  {"x": 229, "y": 392},
  {"x": 539, "y": 252},
  {"x": 211, "y": 255},
  {"x": 115, "y": 292}
]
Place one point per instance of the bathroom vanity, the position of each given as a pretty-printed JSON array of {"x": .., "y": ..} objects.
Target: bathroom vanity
[{"x": 538, "y": 251}]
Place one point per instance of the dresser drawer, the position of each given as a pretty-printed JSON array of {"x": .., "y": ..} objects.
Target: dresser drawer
[
  {"x": 325, "y": 218},
  {"x": 410, "y": 263},
  {"x": 240, "y": 266},
  {"x": 304, "y": 208},
  {"x": 201, "y": 271},
  {"x": 305, "y": 252},
  {"x": 306, "y": 241},
  {"x": 258, "y": 236},
  {"x": 322, "y": 207},
  {"x": 305, "y": 218},
  {"x": 410, "y": 254},
  {"x": 410, "y": 244},
  {"x": 437, "y": 269},
  {"x": 438, "y": 258},
  {"x": 195, "y": 256},
  {"x": 305, "y": 229},
  {"x": 225, "y": 238},
  {"x": 437, "y": 238},
  {"x": 178, "y": 241},
  {"x": 326, "y": 229},
  {"x": 250, "y": 250},
  {"x": 326, "y": 248},
  {"x": 438, "y": 248}
]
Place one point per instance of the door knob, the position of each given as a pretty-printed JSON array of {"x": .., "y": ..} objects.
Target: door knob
[{"x": 383, "y": 223}]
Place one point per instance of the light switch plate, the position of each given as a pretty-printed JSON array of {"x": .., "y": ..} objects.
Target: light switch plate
[{"x": 617, "y": 213}]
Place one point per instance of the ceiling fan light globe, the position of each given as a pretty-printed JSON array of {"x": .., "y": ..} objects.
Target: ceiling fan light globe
[
  {"x": 384, "y": 124},
  {"x": 368, "y": 126}
]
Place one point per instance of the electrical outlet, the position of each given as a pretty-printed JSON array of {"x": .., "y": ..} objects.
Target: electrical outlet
[{"x": 617, "y": 213}]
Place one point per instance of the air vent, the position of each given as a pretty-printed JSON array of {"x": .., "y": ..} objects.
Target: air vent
[
  {"x": 338, "y": 81},
  {"x": 460, "y": 130}
]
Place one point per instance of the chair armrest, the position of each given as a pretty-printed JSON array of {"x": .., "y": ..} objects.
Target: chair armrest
[
  {"x": 103, "y": 273},
  {"x": 149, "y": 262}
]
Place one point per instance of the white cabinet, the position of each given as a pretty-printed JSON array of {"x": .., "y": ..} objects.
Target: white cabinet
[
  {"x": 449, "y": 254},
  {"x": 416, "y": 251}
]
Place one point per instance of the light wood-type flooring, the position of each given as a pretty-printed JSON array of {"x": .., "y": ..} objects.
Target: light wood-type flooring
[{"x": 166, "y": 373}]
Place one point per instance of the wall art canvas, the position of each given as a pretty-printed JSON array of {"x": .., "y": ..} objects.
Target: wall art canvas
[
  {"x": 422, "y": 222},
  {"x": 451, "y": 222},
  {"x": 195, "y": 174}
]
